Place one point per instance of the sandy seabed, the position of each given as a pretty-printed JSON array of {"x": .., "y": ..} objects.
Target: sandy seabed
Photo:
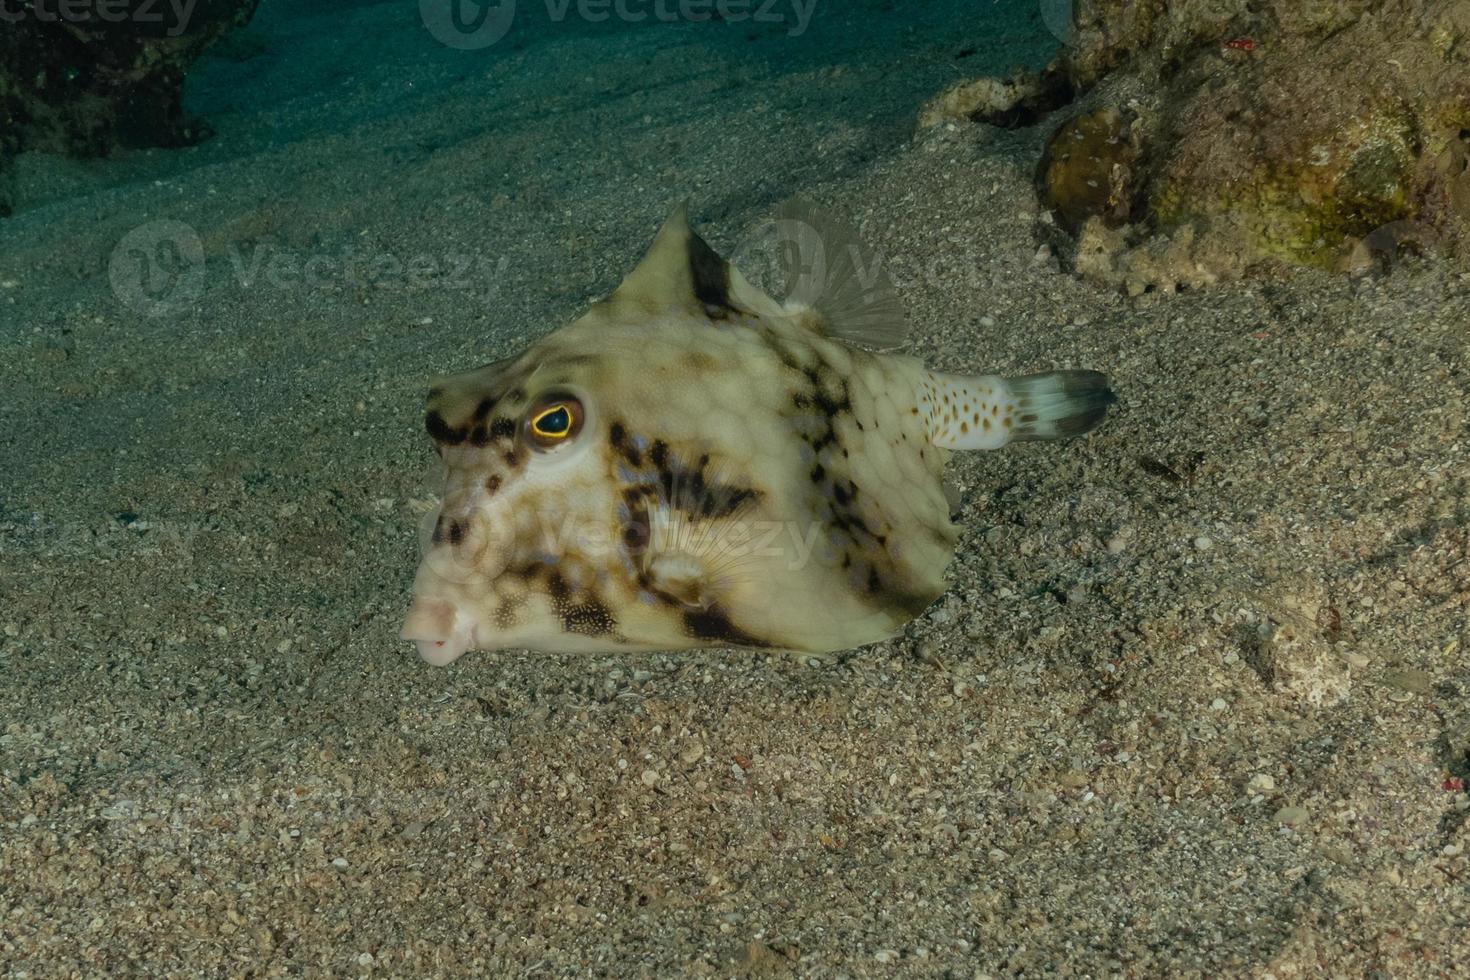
[{"x": 1196, "y": 702}]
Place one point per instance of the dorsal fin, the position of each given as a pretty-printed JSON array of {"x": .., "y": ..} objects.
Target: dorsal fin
[
  {"x": 831, "y": 273},
  {"x": 681, "y": 272}
]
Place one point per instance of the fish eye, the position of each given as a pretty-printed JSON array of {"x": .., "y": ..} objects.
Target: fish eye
[{"x": 553, "y": 420}]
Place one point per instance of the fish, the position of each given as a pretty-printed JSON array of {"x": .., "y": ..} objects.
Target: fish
[{"x": 692, "y": 463}]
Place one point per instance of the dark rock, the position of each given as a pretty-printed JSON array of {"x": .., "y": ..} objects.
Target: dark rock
[{"x": 84, "y": 77}]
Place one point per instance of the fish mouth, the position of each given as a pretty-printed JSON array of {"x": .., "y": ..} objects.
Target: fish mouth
[{"x": 441, "y": 630}]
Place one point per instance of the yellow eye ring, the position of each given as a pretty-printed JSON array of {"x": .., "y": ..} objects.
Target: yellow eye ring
[
  {"x": 553, "y": 420},
  {"x": 554, "y": 423}
]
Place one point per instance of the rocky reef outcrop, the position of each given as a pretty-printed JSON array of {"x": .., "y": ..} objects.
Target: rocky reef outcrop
[
  {"x": 1210, "y": 137},
  {"x": 81, "y": 77}
]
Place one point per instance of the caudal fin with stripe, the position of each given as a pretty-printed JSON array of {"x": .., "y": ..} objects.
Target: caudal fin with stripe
[{"x": 988, "y": 411}]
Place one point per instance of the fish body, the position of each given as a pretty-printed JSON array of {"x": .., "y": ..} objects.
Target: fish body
[{"x": 693, "y": 464}]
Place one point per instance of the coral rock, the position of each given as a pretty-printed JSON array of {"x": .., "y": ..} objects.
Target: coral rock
[{"x": 1090, "y": 169}]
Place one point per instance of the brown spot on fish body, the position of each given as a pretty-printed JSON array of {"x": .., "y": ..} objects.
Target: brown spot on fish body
[
  {"x": 507, "y": 614},
  {"x": 713, "y": 625},
  {"x": 588, "y": 618},
  {"x": 618, "y": 438},
  {"x": 502, "y": 428}
]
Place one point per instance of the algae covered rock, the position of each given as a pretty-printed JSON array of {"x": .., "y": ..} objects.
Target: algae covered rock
[
  {"x": 85, "y": 77},
  {"x": 1216, "y": 136},
  {"x": 1090, "y": 169}
]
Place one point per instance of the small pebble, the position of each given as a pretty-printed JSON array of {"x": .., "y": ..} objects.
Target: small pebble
[
  {"x": 339, "y": 862},
  {"x": 649, "y": 777},
  {"x": 1261, "y": 783},
  {"x": 1203, "y": 543},
  {"x": 1219, "y": 704},
  {"x": 1291, "y": 816}
]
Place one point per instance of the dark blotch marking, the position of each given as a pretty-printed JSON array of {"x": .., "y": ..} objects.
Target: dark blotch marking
[
  {"x": 456, "y": 532},
  {"x": 508, "y": 612},
  {"x": 713, "y": 625},
  {"x": 711, "y": 277},
  {"x": 589, "y": 618},
  {"x": 492, "y": 483},
  {"x": 441, "y": 432},
  {"x": 502, "y": 428},
  {"x": 617, "y": 437},
  {"x": 687, "y": 489},
  {"x": 584, "y": 614}
]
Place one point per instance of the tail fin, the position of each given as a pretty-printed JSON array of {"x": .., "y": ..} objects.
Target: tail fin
[{"x": 989, "y": 411}]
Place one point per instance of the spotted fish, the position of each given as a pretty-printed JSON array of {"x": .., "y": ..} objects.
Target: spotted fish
[{"x": 692, "y": 463}]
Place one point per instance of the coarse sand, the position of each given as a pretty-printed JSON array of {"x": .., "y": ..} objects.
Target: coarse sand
[{"x": 1195, "y": 704}]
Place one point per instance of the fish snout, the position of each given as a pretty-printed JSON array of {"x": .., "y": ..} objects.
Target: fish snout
[{"x": 441, "y": 629}]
